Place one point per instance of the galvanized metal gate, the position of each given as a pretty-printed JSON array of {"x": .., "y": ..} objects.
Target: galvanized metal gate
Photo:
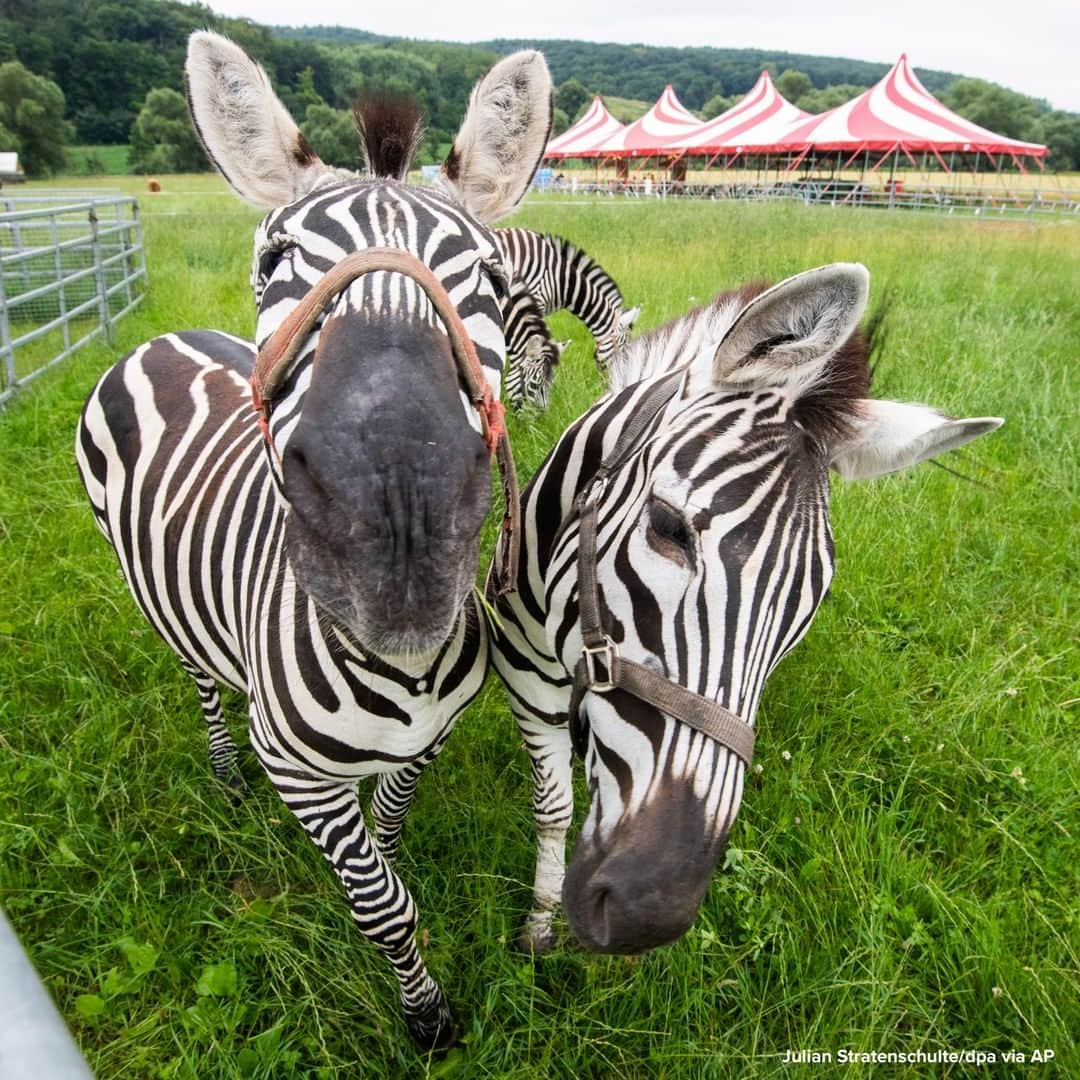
[{"x": 71, "y": 264}]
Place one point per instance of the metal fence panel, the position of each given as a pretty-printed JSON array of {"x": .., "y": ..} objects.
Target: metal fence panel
[
  {"x": 987, "y": 203},
  {"x": 71, "y": 264}
]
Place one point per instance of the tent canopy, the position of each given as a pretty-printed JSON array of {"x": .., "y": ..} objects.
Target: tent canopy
[
  {"x": 595, "y": 128},
  {"x": 755, "y": 122},
  {"x": 898, "y": 113},
  {"x": 665, "y": 123}
]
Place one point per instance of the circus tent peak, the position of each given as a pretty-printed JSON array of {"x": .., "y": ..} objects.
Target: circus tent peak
[
  {"x": 757, "y": 120},
  {"x": 585, "y": 137},
  {"x": 898, "y": 112},
  {"x": 666, "y": 122}
]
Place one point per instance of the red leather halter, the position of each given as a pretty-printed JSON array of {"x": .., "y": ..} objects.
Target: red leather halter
[{"x": 279, "y": 353}]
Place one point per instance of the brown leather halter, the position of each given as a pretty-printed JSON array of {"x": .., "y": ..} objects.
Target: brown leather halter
[
  {"x": 601, "y": 669},
  {"x": 279, "y": 353}
]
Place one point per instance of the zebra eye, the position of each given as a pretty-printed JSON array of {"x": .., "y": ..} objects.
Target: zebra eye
[
  {"x": 669, "y": 533},
  {"x": 267, "y": 261}
]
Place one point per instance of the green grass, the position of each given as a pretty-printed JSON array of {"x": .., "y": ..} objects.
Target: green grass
[
  {"x": 902, "y": 876},
  {"x": 98, "y": 160}
]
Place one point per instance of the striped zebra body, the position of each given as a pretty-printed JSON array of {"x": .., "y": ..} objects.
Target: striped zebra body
[
  {"x": 560, "y": 275},
  {"x": 320, "y": 555},
  {"x": 176, "y": 473},
  {"x": 713, "y": 552}
]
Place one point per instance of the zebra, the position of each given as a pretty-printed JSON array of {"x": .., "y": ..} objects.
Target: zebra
[
  {"x": 531, "y": 352},
  {"x": 320, "y": 554},
  {"x": 560, "y": 275},
  {"x": 676, "y": 545}
]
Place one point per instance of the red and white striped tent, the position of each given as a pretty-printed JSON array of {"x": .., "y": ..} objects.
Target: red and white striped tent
[
  {"x": 899, "y": 115},
  {"x": 666, "y": 122},
  {"x": 751, "y": 126},
  {"x": 584, "y": 139}
]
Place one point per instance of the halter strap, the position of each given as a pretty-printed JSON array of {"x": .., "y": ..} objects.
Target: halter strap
[
  {"x": 601, "y": 668},
  {"x": 279, "y": 353}
]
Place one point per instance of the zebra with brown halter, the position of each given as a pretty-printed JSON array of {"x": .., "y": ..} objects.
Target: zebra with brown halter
[
  {"x": 676, "y": 545},
  {"x": 326, "y": 565}
]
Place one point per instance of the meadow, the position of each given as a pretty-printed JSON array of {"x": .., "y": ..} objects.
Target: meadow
[{"x": 903, "y": 874}]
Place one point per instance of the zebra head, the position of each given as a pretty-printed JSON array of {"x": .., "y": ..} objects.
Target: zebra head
[
  {"x": 376, "y": 449},
  {"x": 531, "y": 353},
  {"x": 617, "y": 337},
  {"x": 713, "y": 553}
]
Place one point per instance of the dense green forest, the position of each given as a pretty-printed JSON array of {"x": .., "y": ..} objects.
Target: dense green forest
[
  {"x": 642, "y": 71},
  {"x": 112, "y": 61}
]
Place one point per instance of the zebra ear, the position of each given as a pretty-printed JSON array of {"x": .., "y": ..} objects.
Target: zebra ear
[
  {"x": 503, "y": 137},
  {"x": 246, "y": 131},
  {"x": 787, "y": 332},
  {"x": 890, "y": 435},
  {"x": 628, "y": 318}
]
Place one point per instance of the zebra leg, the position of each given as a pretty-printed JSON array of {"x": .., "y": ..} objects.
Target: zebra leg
[
  {"x": 390, "y": 804},
  {"x": 551, "y": 759},
  {"x": 382, "y": 908},
  {"x": 393, "y": 796},
  {"x": 223, "y": 753}
]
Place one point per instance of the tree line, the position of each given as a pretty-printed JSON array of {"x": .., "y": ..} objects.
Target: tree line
[{"x": 106, "y": 72}]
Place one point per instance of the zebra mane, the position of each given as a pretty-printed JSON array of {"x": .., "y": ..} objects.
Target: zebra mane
[
  {"x": 826, "y": 409},
  {"x": 680, "y": 340},
  {"x": 390, "y": 130}
]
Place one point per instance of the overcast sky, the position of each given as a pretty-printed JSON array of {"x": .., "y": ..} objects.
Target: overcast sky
[{"x": 1030, "y": 45}]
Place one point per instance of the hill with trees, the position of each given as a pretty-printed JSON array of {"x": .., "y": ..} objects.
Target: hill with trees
[{"x": 106, "y": 63}]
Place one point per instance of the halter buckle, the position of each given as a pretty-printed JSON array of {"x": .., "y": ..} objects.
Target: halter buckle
[{"x": 607, "y": 654}]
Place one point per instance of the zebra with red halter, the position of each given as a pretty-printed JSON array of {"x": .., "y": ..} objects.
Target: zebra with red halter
[
  {"x": 560, "y": 275},
  {"x": 327, "y": 570},
  {"x": 676, "y": 545}
]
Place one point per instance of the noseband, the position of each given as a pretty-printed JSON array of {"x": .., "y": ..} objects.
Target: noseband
[
  {"x": 601, "y": 669},
  {"x": 277, "y": 356}
]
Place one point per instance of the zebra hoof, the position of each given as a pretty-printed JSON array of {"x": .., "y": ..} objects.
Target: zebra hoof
[
  {"x": 537, "y": 936},
  {"x": 234, "y": 782},
  {"x": 433, "y": 1028}
]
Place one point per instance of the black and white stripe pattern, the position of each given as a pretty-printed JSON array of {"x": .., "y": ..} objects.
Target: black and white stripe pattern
[
  {"x": 329, "y": 575},
  {"x": 714, "y": 551},
  {"x": 560, "y": 275},
  {"x": 531, "y": 352},
  {"x": 176, "y": 472}
]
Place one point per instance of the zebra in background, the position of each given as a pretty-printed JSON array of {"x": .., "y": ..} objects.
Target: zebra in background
[
  {"x": 531, "y": 352},
  {"x": 561, "y": 275},
  {"x": 685, "y": 518},
  {"x": 327, "y": 567}
]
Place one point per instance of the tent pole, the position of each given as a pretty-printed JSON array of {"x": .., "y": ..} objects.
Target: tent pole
[{"x": 892, "y": 177}]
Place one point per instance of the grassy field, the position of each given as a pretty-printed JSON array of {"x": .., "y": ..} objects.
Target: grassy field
[
  {"x": 98, "y": 160},
  {"x": 903, "y": 875}
]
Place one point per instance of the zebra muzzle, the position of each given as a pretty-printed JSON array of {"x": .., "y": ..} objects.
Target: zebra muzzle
[{"x": 277, "y": 356}]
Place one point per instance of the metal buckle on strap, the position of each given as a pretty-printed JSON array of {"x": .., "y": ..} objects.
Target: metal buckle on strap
[{"x": 607, "y": 654}]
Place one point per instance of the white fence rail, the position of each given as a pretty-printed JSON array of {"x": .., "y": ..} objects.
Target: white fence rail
[{"x": 71, "y": 264}]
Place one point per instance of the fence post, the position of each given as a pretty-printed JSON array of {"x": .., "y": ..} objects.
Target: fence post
[
  {"x": 58, "y": 264},
  {"x": 33, "y": 1038},
  {"x": 99, "y": 276},
  {"x": 5, "y": 340}
]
